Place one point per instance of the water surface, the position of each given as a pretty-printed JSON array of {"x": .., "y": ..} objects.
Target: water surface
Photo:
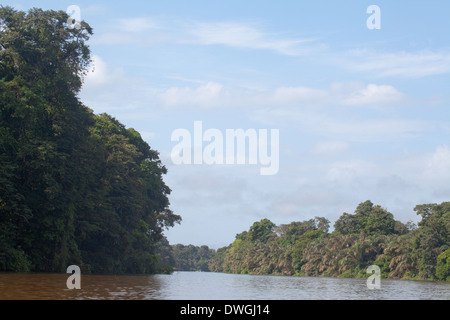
[{"x": 213, "y": 286}]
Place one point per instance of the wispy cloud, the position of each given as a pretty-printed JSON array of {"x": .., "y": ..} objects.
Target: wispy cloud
[
  {"x": 399, "y": 64},
  {"x": 241, "y": 35},
  {"x": 139, "y": 24},
  {"x": 146, "y": 31},
  {"x": 208, "y": 95},
  {"x": 337, "y": 111},
  {"x": 138, "y": 31},
  {"x": 375, "y": 94},
  {"x": 216, "y": 95},
  {"x": 330, "y": 147}
]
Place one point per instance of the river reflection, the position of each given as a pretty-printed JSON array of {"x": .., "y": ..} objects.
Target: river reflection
[
  {"x": 211, "y": 286},
  {"x": 53, "y": 287}
]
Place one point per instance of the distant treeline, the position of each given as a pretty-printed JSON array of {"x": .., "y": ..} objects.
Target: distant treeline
[
  {"x": 370, "y": 236},
  {"x": 192, "y": 258},
  {"x": 75, "y": 187}
]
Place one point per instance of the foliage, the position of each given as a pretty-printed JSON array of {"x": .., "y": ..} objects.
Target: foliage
[
  {"x": 443, "y": 266},
  {"x": 368, "y": 218},
  {"x": 166, "y": 260},
  {"x": 276, "y": 250},
  {"x": 75, "y": 188},
  {"x": 370, "y": 236},
  {"x": 191, "y": 258},
  {"x": 261, "y": 231}
]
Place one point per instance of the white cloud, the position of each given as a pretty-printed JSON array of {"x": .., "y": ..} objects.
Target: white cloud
[
  {"x": 374, "y": 130},
  {"x": 351, "y": 94},
  {"x": 400, "y": 64},
  {"x": 298, "y": 94},
  {"x": 397, "y": 182},
  {"x": 209, "y": 94},
  {"x": 214, "y": 94},
  {"x": 330, "y": 147},
  {"x": 306, "y": 202},
  {"x": 351, "y": 172},
  {"x": 374, "y": 94},
  {"x": 95, "y": 9},
  {"x": 422, "y": 173},
  {"x": 317, "y": 111},
  {"x": 137, "y": 31},
  {"x": 241, "y": 35},
  {"x": 136, "y": 25},
  {"x": 100, "y": 74},
  {"x": 147, "y": 135},
  {"x": 108, "y": 89},
  {"x": 145, "y": 31},
  {"x": 237, "y": 34},
  {"x": 437, "y": 165}
]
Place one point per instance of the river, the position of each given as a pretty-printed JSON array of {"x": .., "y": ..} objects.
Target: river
[{"x": 212, "y": 286}]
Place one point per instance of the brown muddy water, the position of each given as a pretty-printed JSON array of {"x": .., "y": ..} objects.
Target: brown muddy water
[{"x": 212, "y": 286}]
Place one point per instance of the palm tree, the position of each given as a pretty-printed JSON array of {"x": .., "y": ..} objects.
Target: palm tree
[{"x": 403, "y": 258}]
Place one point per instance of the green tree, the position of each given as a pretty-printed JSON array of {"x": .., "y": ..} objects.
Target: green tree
[
  {"x": 166, "y": 259},
  {"x": 261, "y": 231},
  {"x": 432, "y": 236},
  {"x": 41, "y": 66},
  {"x": 443, "y": 266},
  {"x": 192, "y": 258},
  {"x": 75, "y": 188},
  {"x": 369, "y": 236},
  {"x": 124, "y": 218},
  {"x": 379, "y": 221},
  {"x": 346, "y": 224},
  {"x": 297, "y": 235},
  {"x": 367, "y": 218}
]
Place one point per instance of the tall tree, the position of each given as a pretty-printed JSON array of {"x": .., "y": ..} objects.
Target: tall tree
[
  {"x": 261, "y": 230},
  {"x": 41, "y": 66},
  {"x": 75, "y": 188},
  {"x": 367, "y": 218},
  {"x": 433, "y": 236}
]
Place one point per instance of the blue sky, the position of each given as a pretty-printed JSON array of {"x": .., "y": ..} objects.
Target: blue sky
[{"x": 362, "y": 114}]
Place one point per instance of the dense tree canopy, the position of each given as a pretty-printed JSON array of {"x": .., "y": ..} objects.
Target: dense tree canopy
[
  {"x": 75, "y": 188},
  {"x": 370, "y": 236},
  {"x": 367, "y": 218},
  {"x": 191, "y": 258}
]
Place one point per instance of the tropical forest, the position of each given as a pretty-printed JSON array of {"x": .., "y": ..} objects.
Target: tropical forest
[
  {"x": 82, "y": 188},
  {"x": 369, "y": 236}
]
